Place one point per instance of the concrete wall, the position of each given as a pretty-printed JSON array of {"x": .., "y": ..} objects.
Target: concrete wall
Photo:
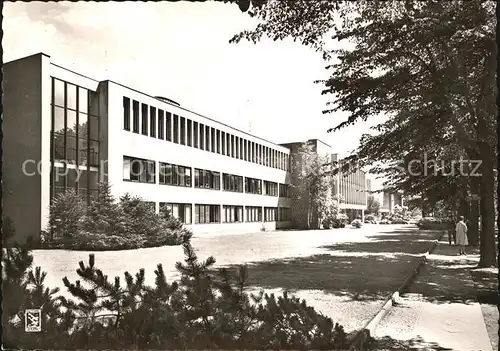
[{"x": 26, "y": 125}]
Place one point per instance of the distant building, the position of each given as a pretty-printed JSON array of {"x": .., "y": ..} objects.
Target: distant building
[{"x": 351, "y": 186}]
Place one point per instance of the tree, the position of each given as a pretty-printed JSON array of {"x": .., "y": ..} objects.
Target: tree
[
  {"x": 430, "y": 66},
  {"x": 372, "y": 205},
  {"x": 311, "y": 186}
]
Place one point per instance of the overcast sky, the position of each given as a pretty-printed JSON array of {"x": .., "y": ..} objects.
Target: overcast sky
[{"x": 181, "y": 51}]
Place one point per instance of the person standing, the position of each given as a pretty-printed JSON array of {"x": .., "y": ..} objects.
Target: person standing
[{"x": 461, "y": 236}]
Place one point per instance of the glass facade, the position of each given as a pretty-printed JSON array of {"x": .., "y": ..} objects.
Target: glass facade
[{"x": 74, "y": 139}]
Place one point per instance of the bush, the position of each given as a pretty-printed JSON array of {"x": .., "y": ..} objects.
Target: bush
[
  {"x": 109, "y": 225},
  {"x": 204, "y": 310},
  {"x": 429, "y": 223}
]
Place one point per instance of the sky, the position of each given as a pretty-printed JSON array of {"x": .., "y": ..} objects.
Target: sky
[{"x": 181, "y": 50}]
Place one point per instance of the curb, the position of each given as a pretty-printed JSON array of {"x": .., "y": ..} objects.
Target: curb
[{"x": 360, "y": 337}]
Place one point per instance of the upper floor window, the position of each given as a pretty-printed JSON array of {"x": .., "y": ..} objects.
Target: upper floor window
[
  {"x": 171, "y": 174},
  {"x": 139, "y": 170},
  {"x": 270, "y": 188},
  {"x": 284, "y": 190},
  {"x": 253, "y": 186},
  {"x": 206, "y": 179},
  {"x": 232, "y": 182}
]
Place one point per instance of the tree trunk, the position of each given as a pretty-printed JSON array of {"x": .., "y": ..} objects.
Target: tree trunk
[
  {"x": 487, "y": 238},
  {"x": 473, "y": 230}
]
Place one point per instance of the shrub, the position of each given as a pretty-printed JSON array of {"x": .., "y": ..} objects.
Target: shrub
[
  {"x": 204, "y": 310},
  {"x": 67, "y": 215},
  {"x": 109, "y": 225}
]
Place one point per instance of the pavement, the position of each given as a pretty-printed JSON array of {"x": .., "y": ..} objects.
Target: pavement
[{"x": 440, "y": 310}]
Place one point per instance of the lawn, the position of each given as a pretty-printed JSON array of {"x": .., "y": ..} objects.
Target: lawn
[{"x": 344, "y": 273}]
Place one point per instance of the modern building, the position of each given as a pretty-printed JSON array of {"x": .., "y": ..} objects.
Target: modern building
[
  {"x": 350, "y": 186},
  {"x": 63, "y": 130},
  {"x": 387, "y": 199}
]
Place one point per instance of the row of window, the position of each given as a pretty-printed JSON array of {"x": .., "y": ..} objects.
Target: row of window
[
  {"x": 144, "y": 171},
  {"x": 149, "y": 121},
  {"x": 204, "y": 213}
]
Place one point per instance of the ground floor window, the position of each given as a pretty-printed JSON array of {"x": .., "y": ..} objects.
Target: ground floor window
[
  {"x": 270, "y": 214},
  {"x": 207, "y": 213},
  {"x": 232, "y": 214},
  {"x": 178, "y": 210},
  {"x": 254, "y": 213}
]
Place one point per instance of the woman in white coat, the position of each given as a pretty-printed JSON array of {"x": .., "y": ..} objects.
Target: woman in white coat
[{"x": 461, "y": 236}]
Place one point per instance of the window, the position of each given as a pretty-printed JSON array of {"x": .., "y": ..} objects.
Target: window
[
  {"x": 71, "y": 96},
  {"x": 174, "y": 175},
  {"x": 195, "y": 134},
  {"x": 139, "y": 170},
  {"x": 206, "y": 213},
  {"x": 144, "y": 119},
  {"x": 135, "y": 113},
  {"x": 223, "y": 138},
  {"x": 245, "y": 150},
  {"x": 168, "y": 121},
  {"x": 94, "y": 128},
  {"x": 178, "y": 210},
  {"x": 285, "y": 214},
  {"x": 270, "y": 214},
  {"x": 270, "y": 188},
  {"x": 232, "y": 214},
  {"x": 83, "y": 101},
  {"x": 237, "y": 147},
  {"x": 183, "y": 131},
  {"x": 126, "y": 113},
  {"x": 161, "y": 125},
  {"x": 206, "y": 179},
  {"x": 218, "y": 141},
  {"x": 284, "y": 190},
  {"x": 59, "y": 92},
  {"x": 241, "y": 149},
  {"x": 189, "y": 133},
  {"x": 176, "y": 129},
  {"x": 228, "y": 145},
  {"x": 254, "y": 214},
  {"x": 207, "y": 138},
  {"x": 202, "y": 136},
  {"x": 232, "y": 146},
  {"x": 253, "y": 186},
  {"x": 152, "y": 122},
  {"x": 232, "y": 182},
  {"x": 212, "y": 140}
]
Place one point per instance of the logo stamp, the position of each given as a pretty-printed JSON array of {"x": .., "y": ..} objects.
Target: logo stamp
[{"x": 33, "y": 320}]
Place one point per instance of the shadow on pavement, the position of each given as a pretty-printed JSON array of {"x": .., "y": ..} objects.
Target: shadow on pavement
[
  {"x": 365, "y": 271},
  {"x": 418, "y": 343},
  {"x": 446, "y": 278}
]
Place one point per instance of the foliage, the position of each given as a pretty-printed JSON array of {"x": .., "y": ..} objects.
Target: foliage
[
  {"x": 69, "y": 210},
  {"x": 399, "y": 212},
  {"x": 428, "y": 66},
  {"x": 203, "y": 310},
  {"x": 357, "y": 223},
  {"x": 110, "y": 225},
  {"x": 372, "y": 205},
  {"x": 312, "y": 184}
]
